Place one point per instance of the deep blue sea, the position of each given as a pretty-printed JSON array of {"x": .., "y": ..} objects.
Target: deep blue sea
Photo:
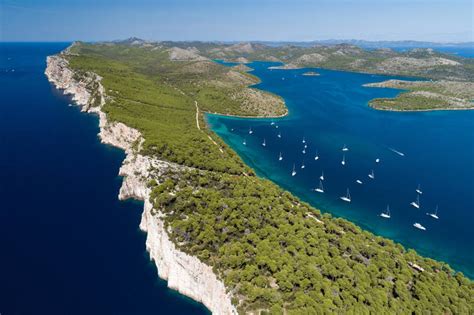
[
  {"x": 67, "y": 245},
  {"x": 435, "y": 150}
]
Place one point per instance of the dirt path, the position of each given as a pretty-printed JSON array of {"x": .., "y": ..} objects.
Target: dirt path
[{"x": 199, "y": 127}]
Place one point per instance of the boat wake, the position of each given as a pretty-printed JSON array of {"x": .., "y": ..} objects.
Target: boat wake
[{"x": 397, "y": 152}]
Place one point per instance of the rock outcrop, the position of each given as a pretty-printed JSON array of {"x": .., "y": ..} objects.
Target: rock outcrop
[{"x": 184, "y": 273}]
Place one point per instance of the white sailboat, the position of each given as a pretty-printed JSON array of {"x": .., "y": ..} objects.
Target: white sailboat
[
  {"x": 386, "y": 214},
  {"x": 279, "y": 135},
  {"x": 347, "y": 197},
  {"x": 280, "y": 157},
  {"x": 416, "y": 203},
  {"x": 276, "y": 126},
  {"x": 419, "y": 226},
  {"x": 305, "y": 146},
  {"x": 359, "y": 182},
  {"x": 320, "y": 189},
  {"x": 418, "y": 190},
  {"x": 293, "y": 173},
  {"x": 372, "y": 175},
  {"x": 304, "y": 141},
  {"x": 345, "y": 148},
  {"x": 304, "y": 151},
  {"x": 377, "y": 160},
  {"x": 322, "y": 176},
  {"x": 272, "y": 123},
  {"x": 302, "y": 165},
  {"x": 343, "y": 162},
  {"x": 245, "y": 142},
  {"x": 250, "y": 131},
  {"x": 316, "y": 157},
  {"x": 434, "y": 215},
  {"x": 264, "y": 143}
]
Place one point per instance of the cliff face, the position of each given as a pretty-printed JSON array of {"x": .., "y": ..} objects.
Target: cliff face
[{"x": 184, "y": 273}]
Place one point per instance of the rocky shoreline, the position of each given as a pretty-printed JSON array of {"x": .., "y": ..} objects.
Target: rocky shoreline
[{"x": 184, "y": 273}]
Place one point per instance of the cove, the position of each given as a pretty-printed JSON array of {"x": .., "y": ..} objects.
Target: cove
[{"x": 431, "y": 149}]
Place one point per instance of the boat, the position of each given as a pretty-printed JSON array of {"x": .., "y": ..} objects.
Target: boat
[
  {"x": 386, "y": 214},
  {"x": 245, "y": 142},
  {"x": 434, "y": 215},
  {"x": 416, "y": 203},
  {"x": 347, "y": 197},
  {"x": 302, "y": 165},
  {"x": 418, "y": 190},
  {"x": 304, "y": 151},
  {"x": 272, "y": 123},
  {"x": 322, "y": 176},
  {"x": 305, "y": 146},
  {"x": 293, "y": 173},
  {"x": 264, "y": 143},
  {"x": 419, "y": 226},
  {"x": 345, "y": 148},
  {"x": 377, "y": 160},
  {"x": 372, "y": 175},
  {"x": 280, "y": 157},
  {"x": 359, "y": 182},
  {"x": 320, "y": 189},
  {"x": 304, "y": 141},
  {"x": 316, "y": 157},
  {"x": 250, "y": 131},
  {"x": 276, "y": 126},
  {"x": 343, "y": 162},
  {"x": 279, "y": 135}
]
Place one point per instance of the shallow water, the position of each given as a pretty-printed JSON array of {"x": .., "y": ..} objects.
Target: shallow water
[
  {"x": 68, "y": 246},
  {"x": 331, "y": 110}
]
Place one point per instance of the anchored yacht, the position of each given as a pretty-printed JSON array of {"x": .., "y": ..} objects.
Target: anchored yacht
[
  {"x": 347, "y": 197},
  {"x": 386, "y": 214},
  {"x": 419, "y": 226},
  {"x": 416, "y": 203}
]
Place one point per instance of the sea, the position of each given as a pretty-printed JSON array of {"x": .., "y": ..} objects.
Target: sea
[
  {"x": 67, "y": 244},
  {"x": 406, "y": 151}
]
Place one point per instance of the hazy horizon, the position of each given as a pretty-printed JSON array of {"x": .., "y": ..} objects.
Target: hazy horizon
[{"x": 441, "y": 21}]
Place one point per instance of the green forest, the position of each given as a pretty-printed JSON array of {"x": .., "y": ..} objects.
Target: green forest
[{"x": 274, "y": 253}]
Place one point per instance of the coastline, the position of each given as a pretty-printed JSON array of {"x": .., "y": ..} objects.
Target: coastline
[
  {"x": 184, "y": 273},
  {"x": 287, "y": 112},
  {"x": 420, "y": 110},
  {"x": 134, "y": 186}
]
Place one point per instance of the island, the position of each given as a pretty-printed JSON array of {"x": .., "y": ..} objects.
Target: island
[
  {"x": 441, "y": 75},
  {"x": 218, "y": 233},
  {"x": 426, "y": 95}
]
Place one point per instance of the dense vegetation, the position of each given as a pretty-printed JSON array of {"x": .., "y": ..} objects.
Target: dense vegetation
[{"x": 273, "y": 252}]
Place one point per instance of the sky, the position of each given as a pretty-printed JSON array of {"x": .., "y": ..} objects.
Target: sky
[{"x": 237, "y": 20}]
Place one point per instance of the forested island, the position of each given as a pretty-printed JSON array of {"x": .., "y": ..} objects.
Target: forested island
[{"x": 272, "y": 252}]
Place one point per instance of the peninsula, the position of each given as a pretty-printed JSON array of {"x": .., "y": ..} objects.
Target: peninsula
[{"x": 218, "y": 233}]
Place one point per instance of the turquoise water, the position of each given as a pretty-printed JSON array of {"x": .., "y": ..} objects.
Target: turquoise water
[{"x": 331, "y": 110}]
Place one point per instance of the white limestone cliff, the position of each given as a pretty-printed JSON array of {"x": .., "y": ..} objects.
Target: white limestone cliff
[{"x": 184, "y": 273}]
